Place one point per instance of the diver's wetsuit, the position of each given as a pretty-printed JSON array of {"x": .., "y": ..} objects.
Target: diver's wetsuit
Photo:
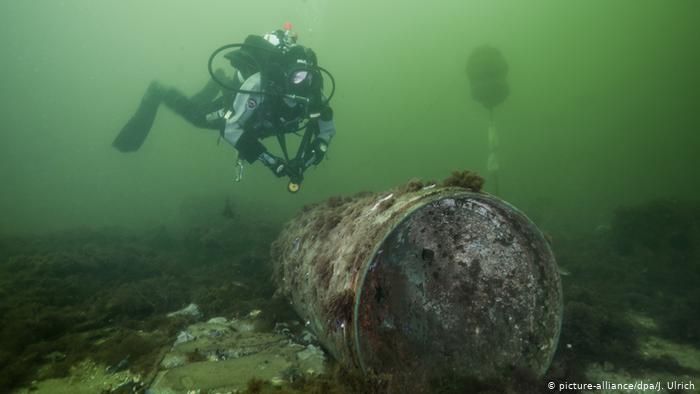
[
  {"x": 243, "y": 119},
  {"x": 252, "y": 116},
  {"x": 256, "y": 116},
  {"x": 196, "y": 108}
]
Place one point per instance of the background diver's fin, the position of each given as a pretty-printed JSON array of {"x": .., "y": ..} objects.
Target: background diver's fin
[{"x": 134, "y": 133}]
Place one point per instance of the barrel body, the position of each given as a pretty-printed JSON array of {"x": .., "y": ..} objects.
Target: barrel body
[{"x": 423, "y": 285}]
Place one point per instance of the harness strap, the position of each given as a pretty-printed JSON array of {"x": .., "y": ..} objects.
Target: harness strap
[
  {"x": 304, "y": 142},
  {"x": 283, "y": 144}
]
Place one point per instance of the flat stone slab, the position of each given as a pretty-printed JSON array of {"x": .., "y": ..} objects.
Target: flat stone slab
[
  {"x": 85, "y": 378},
  {"x": 224, "y": 355},
  {"x": 219, "y": 355},
  {"x": 226, "y": 375}
]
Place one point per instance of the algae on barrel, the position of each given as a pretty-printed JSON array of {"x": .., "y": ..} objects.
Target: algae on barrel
[{"x": 423, "y": 282}]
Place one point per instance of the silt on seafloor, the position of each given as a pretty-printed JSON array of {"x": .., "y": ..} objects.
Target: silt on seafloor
[{"x": 420, "y": 285}]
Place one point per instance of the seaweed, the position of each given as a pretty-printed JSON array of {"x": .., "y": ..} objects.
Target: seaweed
[
  {"x": 339, "y": 308},
  {"x": 335, "y": 201},
  {"x": 103, "y": 294},
  {"x": 386, "y": 204},
  {"x": 363, "y": 194},
  {"x": 464, "y": 179},
  {"x": 661, "y": 226},
  {"x": 308, "y": 207},
  {"x": 636, "y": 268},
  {"x": 324, "y": 269},
  {"x": 255, "y": 386},
  {"x": 514, "y": 381},
  {"x": 413, "y": 185},
  {"x": 195, "y": 356},
  {"x": 330, "y": 221},
  {"x": 598, "y": 332},
  {"x": 340, "y": 379}
]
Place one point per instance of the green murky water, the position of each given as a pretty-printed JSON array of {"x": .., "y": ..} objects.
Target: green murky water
[
  {"x": 602, "y": 114},
  {"x": 602, "y": 109}
]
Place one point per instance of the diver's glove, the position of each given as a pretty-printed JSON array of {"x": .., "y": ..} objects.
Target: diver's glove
[
  {"x": 274, "y": 163},
  {"x": 294, "y": 169}
]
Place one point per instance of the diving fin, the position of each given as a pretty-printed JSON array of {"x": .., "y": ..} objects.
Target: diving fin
[{"x": 134, "y": 133}]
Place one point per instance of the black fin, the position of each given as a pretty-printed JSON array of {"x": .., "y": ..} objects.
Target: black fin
[{"x": 134, "y": 133}]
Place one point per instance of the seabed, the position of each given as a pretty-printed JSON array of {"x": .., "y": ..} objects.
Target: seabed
[{"x": 114, "y": 311}]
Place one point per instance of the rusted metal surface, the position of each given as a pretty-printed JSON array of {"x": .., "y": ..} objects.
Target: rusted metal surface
[{"x": 424, "y": 284}]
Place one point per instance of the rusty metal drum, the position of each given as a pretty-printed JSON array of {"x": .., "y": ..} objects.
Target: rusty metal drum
[{"x": 422, "y": 284}]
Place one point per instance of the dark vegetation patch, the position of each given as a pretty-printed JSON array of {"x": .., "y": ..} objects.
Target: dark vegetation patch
[
  {"x": 308, "y": 207},
  {"x": 665, "y": 226},
  {"x": 464, "y": 179},
  {"x": 636, "y": 267},
  {"x": 413, "y": 185},
  {"x": 343, "y": 380},
  {"x": 195, "y": 356},
  {"x": 339, "y": 380},
  {"x": 335, "y": 201},
  {"x": 330, "y": 221},
  {"x": 104, "y": 294},
  {"x": 324, "y": 269},
  {"x": 512, "y": 382},
  {"x": 363, "y": 194}
]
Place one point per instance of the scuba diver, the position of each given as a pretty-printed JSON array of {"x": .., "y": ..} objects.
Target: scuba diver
[{"x": 277, "y": 89}]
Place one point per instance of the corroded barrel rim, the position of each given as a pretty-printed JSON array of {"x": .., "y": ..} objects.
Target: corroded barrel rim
[{"x": 419, "y": 203}]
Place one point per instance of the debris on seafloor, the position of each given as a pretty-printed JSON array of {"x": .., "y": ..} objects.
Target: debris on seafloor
[
  {"x": 563, "y": 271},
  {"x": 122, "y": 365},
  {"x": 183, "y": 337},
  {"x": 313, "y": 359},
  {"x": 191, "y": 310}
]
